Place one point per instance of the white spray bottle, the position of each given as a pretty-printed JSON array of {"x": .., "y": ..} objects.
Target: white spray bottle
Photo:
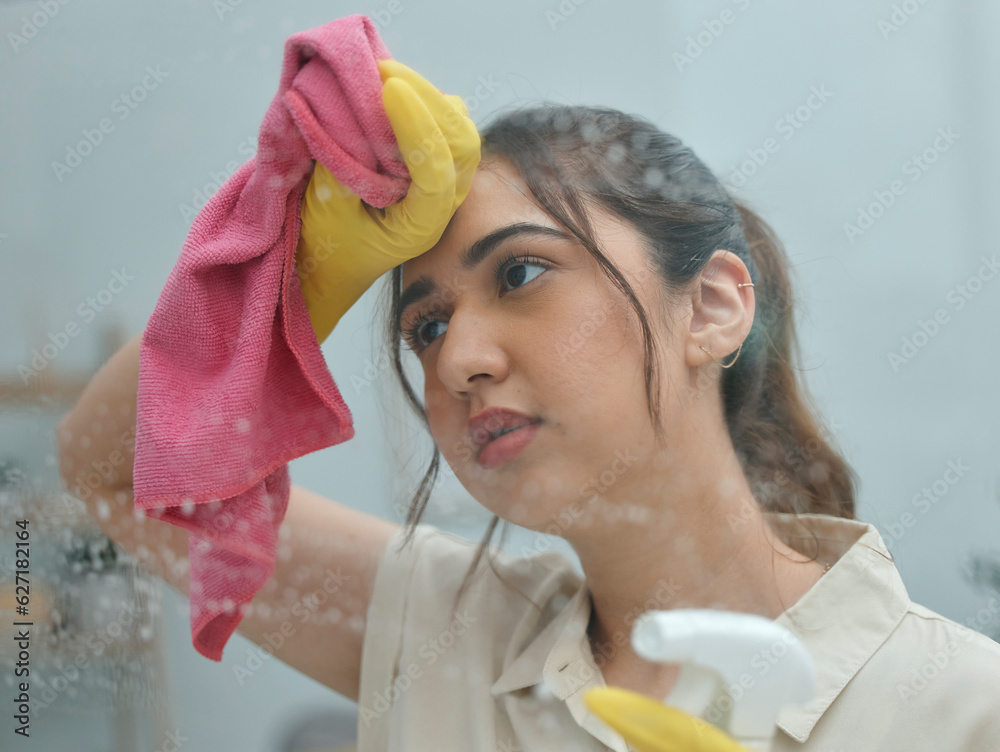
[{"x": 738, "y": 670}]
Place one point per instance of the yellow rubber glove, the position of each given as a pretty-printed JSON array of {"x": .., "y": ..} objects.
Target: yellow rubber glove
[
  {"x": 651, "y": 726},
  {"x": 345, "y": 244}
]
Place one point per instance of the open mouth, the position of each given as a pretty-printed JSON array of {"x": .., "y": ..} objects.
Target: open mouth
[
  {"x": 506, "y": 443},
  {"x": 504, "y": 432}
]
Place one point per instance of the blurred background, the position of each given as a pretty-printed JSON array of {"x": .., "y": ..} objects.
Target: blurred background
[{"x": 864, "y": 132}]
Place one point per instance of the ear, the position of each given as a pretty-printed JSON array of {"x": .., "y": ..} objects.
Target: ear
[{"x": 722, "y": 313}]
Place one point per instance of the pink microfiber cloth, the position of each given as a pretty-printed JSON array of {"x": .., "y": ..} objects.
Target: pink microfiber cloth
[{"x": 232, "y": 382}]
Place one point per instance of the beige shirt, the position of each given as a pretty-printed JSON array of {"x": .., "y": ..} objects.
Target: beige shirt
[{"x": 500, "y": 676}]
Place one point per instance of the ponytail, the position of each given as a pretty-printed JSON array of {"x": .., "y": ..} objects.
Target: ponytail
[{"x": 785, "y": 452}]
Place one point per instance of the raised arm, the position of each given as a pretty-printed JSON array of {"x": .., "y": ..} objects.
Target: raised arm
[
  {"x": 327, "y": 556},
  {"x": 325, "y": 548}
]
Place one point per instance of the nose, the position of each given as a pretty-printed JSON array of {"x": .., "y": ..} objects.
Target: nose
[{"x": 472, "y": 351}]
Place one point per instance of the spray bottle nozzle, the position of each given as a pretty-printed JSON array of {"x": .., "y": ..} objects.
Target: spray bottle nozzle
[{"x": 737, "y": 670}]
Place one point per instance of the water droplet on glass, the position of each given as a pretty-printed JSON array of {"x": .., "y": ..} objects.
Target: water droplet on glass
[
  {"x": 542, "y": 692},
  {"x": 653, "y": 177},
  {"x": 616, "y": 153}
]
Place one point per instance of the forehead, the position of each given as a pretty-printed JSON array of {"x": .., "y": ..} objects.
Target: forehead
[{"x": 498, "y": 196}]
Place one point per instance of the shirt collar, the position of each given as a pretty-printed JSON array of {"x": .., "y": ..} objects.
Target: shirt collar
[
  {"x": 842, "y": 620},
  {"x": 560, "y": 659},
  {"x": 558, "y": 644},
  {"x": 847, "y": 615}
]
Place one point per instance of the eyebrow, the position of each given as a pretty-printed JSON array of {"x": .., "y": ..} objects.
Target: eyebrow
[{"x": 475, "y": 254}]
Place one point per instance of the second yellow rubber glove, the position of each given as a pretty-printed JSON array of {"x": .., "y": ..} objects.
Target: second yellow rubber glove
[
  {"x": 345, "y": 244},
  {"x": 651, "y": 726}
]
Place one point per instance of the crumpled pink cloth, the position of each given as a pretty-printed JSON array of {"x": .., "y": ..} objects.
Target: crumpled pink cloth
[{"x": 232, "y": 382}]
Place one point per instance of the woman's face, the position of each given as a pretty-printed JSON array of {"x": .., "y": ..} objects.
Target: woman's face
[{"x": 550, "y": 337}]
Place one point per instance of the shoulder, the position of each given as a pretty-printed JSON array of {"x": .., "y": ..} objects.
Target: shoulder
[
  {"x": 414, "y": 633},
  {"x": 418, "y": 581},
  {"x": 921, "y": 627},
  {"x": 965, "y": 647},
  {"x": 434, "y": 564},
  {"x": 946, "y": 672},
  {"x": 932, "y": 683}
]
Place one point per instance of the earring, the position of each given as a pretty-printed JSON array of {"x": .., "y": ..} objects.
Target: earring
[
  {"x": 720, "y": 364},
  {"x": 741, "y": 284}
]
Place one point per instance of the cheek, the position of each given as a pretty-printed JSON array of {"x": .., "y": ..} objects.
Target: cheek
[
  {"x": 591, "y": 360},
  {"x": 449, "y": 427},
  {"x": 440, "y": 418}
]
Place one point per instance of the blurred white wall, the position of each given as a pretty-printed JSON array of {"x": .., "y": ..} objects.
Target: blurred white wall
[{"x": 835, "y": 102}]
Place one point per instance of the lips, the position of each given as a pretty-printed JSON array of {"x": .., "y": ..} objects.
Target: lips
[
  {"x": 487, "y": 425},
  {"x": 508, "y": 446}
]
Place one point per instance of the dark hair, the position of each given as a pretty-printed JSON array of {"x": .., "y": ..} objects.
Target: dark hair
[{"x": 626, "y": 165}]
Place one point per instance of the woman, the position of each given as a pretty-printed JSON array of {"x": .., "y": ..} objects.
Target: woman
[{"x": 589, "y": 286}]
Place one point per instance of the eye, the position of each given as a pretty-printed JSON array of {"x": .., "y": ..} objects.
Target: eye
[
  {"x": 416, "y": 337},
  {"x": 511, "y": 261}
]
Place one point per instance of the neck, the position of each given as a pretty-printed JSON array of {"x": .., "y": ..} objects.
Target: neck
[{"x": 710, "y": 547}]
